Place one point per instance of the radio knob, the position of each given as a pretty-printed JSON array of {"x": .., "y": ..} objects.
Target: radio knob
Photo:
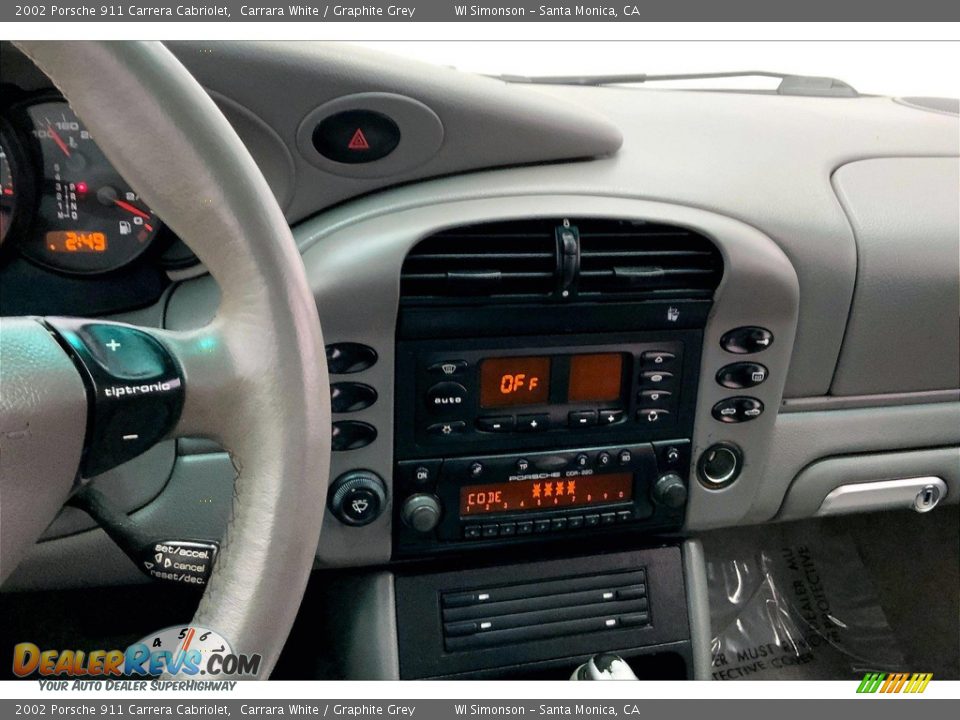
[
  {"x": 421, "y": 512},
  {"x": 670, "y": 491},
  {"x": 357, "y": 497}
]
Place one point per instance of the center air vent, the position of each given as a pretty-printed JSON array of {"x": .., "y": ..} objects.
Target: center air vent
[
  {"x": 623, "y": 259},
  {"x": 556, "y": 260},
  {"x": 513, "y": 260}
]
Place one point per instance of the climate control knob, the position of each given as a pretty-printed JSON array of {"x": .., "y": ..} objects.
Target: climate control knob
[
  {"x": 357, "y": 497},
  {"x": 421, "y": 512},
  {"x": 670, "y": 491}
]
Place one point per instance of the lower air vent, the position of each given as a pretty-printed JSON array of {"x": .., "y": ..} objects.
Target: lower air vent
[
  {"x": 622, "y": 259},
  {"x": 510, "y": 261},
  {"x": 510, "y": 614}
]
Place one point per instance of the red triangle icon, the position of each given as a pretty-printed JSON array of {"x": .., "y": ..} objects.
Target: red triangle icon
[{"x": 359, "y": 141}]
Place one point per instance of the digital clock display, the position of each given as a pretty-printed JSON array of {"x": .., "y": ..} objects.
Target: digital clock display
[
  {"x": 546, "y": 494},
  {"x": 76, "y": 241}
]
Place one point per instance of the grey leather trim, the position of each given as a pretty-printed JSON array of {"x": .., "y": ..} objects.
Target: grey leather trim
[
  {"x": 43, "y": 420},
  {"x": 256, "y": 375},
  {"x": 698, "y": 607},
  {"x": 903, "y": 331},
  {"x": 485, "y": 122},
  {"x": 848, "y": 402},
  {"x": 800, "y": 439},
  {"x": 765, "y": 160},
  {"x": 817, "y": 480}
]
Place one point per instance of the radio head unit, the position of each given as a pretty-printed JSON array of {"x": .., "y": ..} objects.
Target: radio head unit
[{"x": 496, "y": 499}]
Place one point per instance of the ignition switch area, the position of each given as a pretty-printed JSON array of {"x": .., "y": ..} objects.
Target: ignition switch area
[{"x": 135, "y": 388}]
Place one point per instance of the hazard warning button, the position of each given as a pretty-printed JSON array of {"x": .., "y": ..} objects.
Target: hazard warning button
[{"x": 356, "y": 136}]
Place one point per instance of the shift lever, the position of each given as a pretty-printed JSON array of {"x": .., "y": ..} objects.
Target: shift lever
[{"x": 604, "y": 666}]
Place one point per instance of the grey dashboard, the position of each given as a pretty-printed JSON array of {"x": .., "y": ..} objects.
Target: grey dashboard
[{"x": 837, "y": 220}]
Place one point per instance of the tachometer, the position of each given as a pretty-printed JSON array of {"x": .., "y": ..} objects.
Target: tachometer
[
  {"x": 8, "y": 193},
  {"x": 89, "y": 220}
]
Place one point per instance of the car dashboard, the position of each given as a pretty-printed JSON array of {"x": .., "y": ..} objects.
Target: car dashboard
[{"x": 568, "y": 329}]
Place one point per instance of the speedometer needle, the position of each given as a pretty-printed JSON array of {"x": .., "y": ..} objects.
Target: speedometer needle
[
  {"x": 57, "y": 139},
  {"x": 131, "y": 209}
]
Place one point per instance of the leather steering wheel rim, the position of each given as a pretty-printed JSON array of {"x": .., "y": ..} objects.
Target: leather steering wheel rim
[{"x": 256, "y": 377}]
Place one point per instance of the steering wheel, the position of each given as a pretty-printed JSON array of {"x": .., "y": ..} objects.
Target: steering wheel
[{"x": 254, "y": 379}]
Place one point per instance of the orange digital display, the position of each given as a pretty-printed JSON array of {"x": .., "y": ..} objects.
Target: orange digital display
[
  {"x": 545, "y": 494},
  {"x": 511, "y": 381},
  {"x": 75, "y": 241},
  {"x": 595, "y": 378}
]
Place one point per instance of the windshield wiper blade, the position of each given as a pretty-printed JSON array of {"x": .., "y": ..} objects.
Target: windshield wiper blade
[{"x": 789, "y": 84}]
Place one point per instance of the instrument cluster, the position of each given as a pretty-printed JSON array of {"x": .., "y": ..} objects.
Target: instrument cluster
[
  {"x": 75, "y": 237},
  {"x": 64, "y": 206}
]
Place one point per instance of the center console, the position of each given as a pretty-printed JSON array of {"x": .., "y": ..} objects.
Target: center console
[
  {"x": 512, "y": 440},
  {"x": 529, "y": 421}
]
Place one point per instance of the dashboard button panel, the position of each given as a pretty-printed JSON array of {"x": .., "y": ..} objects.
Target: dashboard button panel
[
  {"x": 738, "y": 376},
  {"x": 350, "y": 397},
  {"x": 346, "y": 358},
  {"x": 746, "y": 340},
  {"x": 737, "y": 409}
]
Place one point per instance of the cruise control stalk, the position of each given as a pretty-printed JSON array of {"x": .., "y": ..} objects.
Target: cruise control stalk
[{"x": 185, "y": 562}]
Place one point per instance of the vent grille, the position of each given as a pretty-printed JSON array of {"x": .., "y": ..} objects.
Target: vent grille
[
  {"x": 513, "y": 261},
  {"x": 623, "y": 259},
  {"x": 528, "y": 261},
  {"x": 544, "y": 610}
]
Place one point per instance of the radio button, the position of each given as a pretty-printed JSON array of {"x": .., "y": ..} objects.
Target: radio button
[
  {"x": 422, "y": 474},
  {"x": 448, "y": 367},
  {"x": 654, "y": 398},
  {"x": 656, "y": 378},
  {"x": 582, "y": 460},
  {"x": 525, "y": 527},
  {"x": 604, "y": 459},
  {"x": 558, "y": 524},
  {"x": 523, "y": 465},
  {"x": 551, "y": 463},
  {"x": 508, "y": 529},
  {"x": 608, "y": 518},
  {"x": 476, "y": 469},
  {"x": 446, "y": 396},
  {"x": 541, "y": 526},
  {"x": 498, "y": 424},
  {"x": 471, "y": 532},
  {"x": 610, "y": 417},
  {"x": 591, "y": 521},
  {"x": 533, "y": 423},
  {"x": 490, "y": 531},
  {"x": 652, "y": 415},
  {"x": 625, "y": 457},
  {"x": 582, "y": 418},
  {"x": 625, "y": 515},
  {"x": 657, "y": 358},
  {"x": 575, "y": 522},
  {"x": 456, "y": 427}
]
